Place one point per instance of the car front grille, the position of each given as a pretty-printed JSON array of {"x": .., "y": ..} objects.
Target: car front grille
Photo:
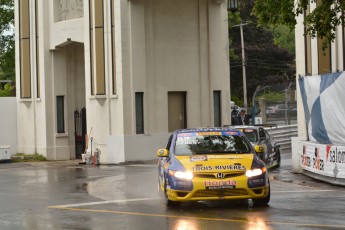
[
  {"x": 223, "y": 193},
  {"x": 214, "y": 175}
]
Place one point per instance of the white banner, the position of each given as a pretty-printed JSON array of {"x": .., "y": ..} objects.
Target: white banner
[
  {"x": 324, "y": 107},
  {"x": 326, "y": 160}
]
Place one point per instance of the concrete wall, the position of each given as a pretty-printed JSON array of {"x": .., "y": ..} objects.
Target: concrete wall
[
  {"x": 161, "y": 46},
  {"x": 8, "y": 123}
]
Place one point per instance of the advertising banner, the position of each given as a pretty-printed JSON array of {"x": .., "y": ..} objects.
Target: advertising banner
[{"x": 326, "y": 160}]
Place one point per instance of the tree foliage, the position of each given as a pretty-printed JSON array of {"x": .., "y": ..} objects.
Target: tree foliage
[
  {"x": 284, "y": 38},
  {"x": 7, "y": 50},
  {"x": 267, "y": 64},
  {"x": 7, "y": 91},
  {"x": 321, "y": 22}
]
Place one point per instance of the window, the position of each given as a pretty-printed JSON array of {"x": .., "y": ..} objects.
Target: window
[
  {"x": 217, "y": 108},
  {"x": 24, "y": 49},
  {"x": 139, "y": 112},
  {"x": 60, "y": 114}
]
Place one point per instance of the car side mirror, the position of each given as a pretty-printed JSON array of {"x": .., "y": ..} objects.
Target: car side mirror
[
  {"x": 162, "y": 153},
  {"x": 259, "y": 148},
  {"x": 262, "y": 138}
]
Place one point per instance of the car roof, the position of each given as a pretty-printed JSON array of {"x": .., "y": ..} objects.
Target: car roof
[
  {"x": 206, "y": 129},
  {"x": 247, "y": 127}
]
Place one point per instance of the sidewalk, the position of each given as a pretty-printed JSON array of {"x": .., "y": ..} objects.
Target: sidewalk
[{"x": 44, "y": 164}]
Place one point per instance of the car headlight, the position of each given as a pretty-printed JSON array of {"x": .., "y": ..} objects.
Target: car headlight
[
  {"x": 181, "y": 175},
  {"x": 255, "y": 172}
]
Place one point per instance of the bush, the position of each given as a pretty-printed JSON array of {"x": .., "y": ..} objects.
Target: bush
[
  {"x": 27, "y": 157},
  {"x": 274, "y": 97},
  {"x": 7, "y": 91}
]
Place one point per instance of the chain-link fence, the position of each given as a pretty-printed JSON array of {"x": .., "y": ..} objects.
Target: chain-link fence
[
  {"x": 273, "y": 105},
  {"x": 280, "y": 113}
]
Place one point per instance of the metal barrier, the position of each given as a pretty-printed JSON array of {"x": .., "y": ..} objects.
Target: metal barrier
[{"x": 282, "y": 135}]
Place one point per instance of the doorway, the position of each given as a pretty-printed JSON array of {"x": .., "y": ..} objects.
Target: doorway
[
  {"x": 80, "y": 132},
  {"x": 177, "y": 110}
]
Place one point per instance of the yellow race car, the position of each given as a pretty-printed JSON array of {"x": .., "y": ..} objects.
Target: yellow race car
[{"x": 211, "y": 164}]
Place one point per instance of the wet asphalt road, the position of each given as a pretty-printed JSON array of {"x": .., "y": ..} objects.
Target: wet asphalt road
[{"x": 66, "y": 195}]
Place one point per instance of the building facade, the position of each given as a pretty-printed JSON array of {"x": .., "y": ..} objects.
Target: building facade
[
  {"x": 125, "y": 72},
  {"x": 312, "y": 60},
  {"x": 319, "y": 150}
]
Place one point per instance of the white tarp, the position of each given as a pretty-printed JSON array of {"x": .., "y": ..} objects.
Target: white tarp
[{"x": 323, "y": 99}]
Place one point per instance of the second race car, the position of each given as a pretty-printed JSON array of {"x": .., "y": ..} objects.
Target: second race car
[{"x": 269, "y": 151}]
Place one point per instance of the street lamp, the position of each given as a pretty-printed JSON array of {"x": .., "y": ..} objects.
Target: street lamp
[{"x": 233, "y": 7}]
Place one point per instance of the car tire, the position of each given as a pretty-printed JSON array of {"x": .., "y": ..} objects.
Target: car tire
[
  {"x": 263, "y": 201},
  {"x": 169, "y": 203},
  {"x": 278, "y": 157}
]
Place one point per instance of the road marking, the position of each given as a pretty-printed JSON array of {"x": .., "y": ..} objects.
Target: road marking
[
  {"x": 196, "y": 218},
  {"x": 100, "y": 202},
  {"x": 302, "y": 191},
  {"x": 152, "y": 198},
  {"x": 149, "y": 166}
]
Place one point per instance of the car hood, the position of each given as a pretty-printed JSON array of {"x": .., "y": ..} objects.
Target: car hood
[{"x": 216, "y": 163}]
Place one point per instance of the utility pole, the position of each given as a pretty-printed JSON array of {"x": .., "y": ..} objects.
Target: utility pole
[
  {"x": 245, "y": 101},
  {"x": 244, "y": 76}
]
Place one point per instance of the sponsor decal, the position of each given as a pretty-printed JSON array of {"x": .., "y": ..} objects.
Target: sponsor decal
[
  {"x": 336, "y": 156},
  {"x": 306, "y": 161},
  {"x": 186, "y": 141},
  {"x": 185, "y": 134},
  {"x": 224, "y": 157},
  {"x": 314, "y": 161},
  {"x": 232, "y": 133},
  {"x": 218, "y": 167},
  {"x": 317, "y": 162},
  {"x": 215, "y": 185},
  {"x": 208, "y": 133},
  {"x": 201, "y": 168},
  {"x": 197, "y": 158},
  {"x": 230, "y": 167}
]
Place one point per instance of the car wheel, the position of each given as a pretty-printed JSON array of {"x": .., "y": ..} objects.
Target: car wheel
[
  {"x": 263, "y": 201},
  {"x": 278, "y": 157},
  {"x": 169, "y": 203}
]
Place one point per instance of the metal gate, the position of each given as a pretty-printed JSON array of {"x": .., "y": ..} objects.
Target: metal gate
[{"x": 80, "y": 132}]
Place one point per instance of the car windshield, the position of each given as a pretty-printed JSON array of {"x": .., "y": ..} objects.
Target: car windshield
[
  {"x": 251, "y": 134},
  {"x": 211, "y": 143}
]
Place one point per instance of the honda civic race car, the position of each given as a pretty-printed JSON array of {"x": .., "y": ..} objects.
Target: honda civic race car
[
  {"x": 211, "y": 164},
  {"x": 268, "y": 150}
]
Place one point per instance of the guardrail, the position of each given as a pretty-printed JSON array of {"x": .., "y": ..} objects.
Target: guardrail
[{"x": 282, "y": 135}]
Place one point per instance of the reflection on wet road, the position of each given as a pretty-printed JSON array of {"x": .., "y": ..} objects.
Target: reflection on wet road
[{"x": 60, "y": 196}]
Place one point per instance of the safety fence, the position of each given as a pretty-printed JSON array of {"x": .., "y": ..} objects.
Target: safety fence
[{"x": 282, "y": 135}]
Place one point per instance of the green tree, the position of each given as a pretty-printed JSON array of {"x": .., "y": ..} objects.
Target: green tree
[
  {"x": 7, "y": 49},
  {"x": 267, "y": 63},
  {"x": 8, "y": 90},
  {"x": 284, "y": 38},
  {"x": 321, "y": 22}
]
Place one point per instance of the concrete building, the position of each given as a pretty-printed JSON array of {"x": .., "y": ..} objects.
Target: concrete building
[
  {"x": 312, "y": 60},
  {"x": 319, "y": 150},
  {"x": 140, "y": 68}
]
